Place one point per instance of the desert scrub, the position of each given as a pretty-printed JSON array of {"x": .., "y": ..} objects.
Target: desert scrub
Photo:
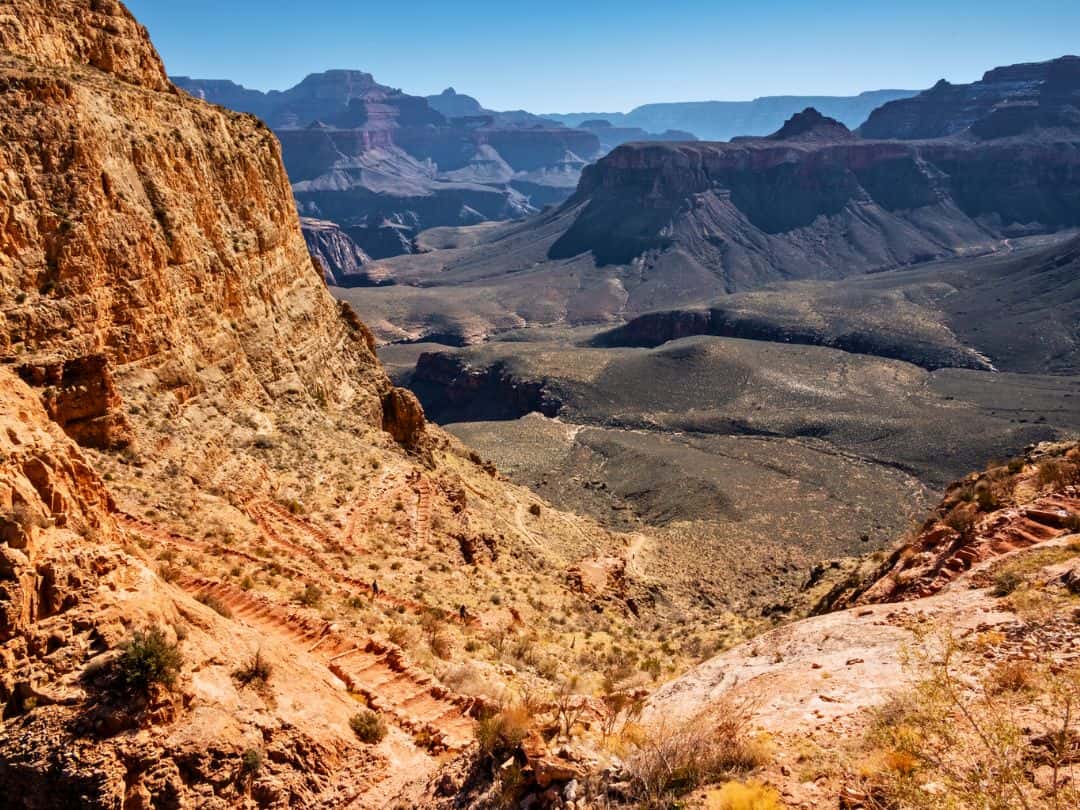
[
  {"x": 1027, "y": 566},
  {"x": 1006, "y": 582},
  {"x": 960, "y": 520},
  {"x": 996, "y": 738},
  {"x": 147, "y": 659},
  {"x": 502, "y": 732},
  {"x": 251, "y": 762},
  {"x": 255, "y": 672},
  {"x": 214, "y": 604},
  {"x": 1054, "y": 472},
  {"x": 675, "y": 760},
  {"x": 311, "y": 596},
  {"x": 368, "y": 726}
]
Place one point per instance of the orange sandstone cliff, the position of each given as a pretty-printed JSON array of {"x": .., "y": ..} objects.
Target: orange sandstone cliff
[{"x": 200, "y": 442}]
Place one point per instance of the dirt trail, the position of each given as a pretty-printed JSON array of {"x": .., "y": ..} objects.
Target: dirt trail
[
  {"x": 363, "y": 510},
  {"x": 637, "y": 544},
  {"x": 435, "y": 717},
  {"x": 349, "y": 585},
  {"x": 422, "y": 518},
  {"x": 263, "y": 518}
]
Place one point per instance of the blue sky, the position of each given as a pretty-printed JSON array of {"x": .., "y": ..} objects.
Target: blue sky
[{"x": 561, "y": 56}]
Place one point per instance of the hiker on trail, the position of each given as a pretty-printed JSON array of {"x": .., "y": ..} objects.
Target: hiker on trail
[
  {"x": 463, "y": 613},
  {"x": 375, "y": 587}
]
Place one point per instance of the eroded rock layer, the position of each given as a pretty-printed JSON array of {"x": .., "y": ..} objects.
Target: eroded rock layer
[{"x": 156, "y": 234}]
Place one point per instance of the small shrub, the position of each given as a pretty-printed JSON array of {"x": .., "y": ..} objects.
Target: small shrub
[
  {"x": 1058, "y": 473},
  {"x": 501, "y": 733},
  {"x": 744, "y": 796},
  {"x": 256, "y": 671},
  {"x": 443, "y": 646},
  {"x": 1006, "y": 582},
  {"x": 252, "y": 761},
  {"x": 652, "y": 667},
  {"x": 986, "y": 500},
  {"x": 368, "y": 726},
  {"x": 676, "y": 760},
  {"x": 311, "y": 596},
  {"x": 534, "y": 509},
  {"x": 960, "y": 520},
  {"x": 401, "y": 635},
  {"x": 147, "y": 659},
  {"x": 214, "y": 604},
  {"x": 1013, "y": 676},
  {"x": 1016, "y": 465}
]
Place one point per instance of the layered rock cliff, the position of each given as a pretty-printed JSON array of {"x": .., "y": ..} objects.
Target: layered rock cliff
[
  {"x": 656, "y": 226},
  {"x": 242, "y": 452},
  {"x": 1006, "y": 101},
  {"x": 340, "y": 258},
  {"x": 363, "y": 155},
  {"x": 611, "y": 136},
  {"x": 723, "y": 120},
  {"x": 822, "y": 205},
  {"x": 150, "y": 240}
]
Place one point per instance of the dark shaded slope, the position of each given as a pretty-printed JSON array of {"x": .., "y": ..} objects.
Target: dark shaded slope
[
  {"x": 1016, "y": 311},
  {"x": 1005, "y": 102}
]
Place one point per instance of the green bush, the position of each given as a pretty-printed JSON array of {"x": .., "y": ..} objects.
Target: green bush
[
  {"x": 960, "y": 521},
  {"x": 311, "y": 596},
  {"x": 368, "y": 726},
  {"x": 252, "y": 761},
  {"x": 148, "y": 658},
  {"x": 986, "y": 499},
  {"x": 214, "y": 604},
  {"x": 258, "y": 671}
]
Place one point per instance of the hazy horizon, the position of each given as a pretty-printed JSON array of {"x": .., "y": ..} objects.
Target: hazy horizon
[{"x": 564, "y": 58}]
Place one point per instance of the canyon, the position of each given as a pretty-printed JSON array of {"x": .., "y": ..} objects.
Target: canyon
[
  {"x": 744, "y": 468},
  {"x": 384, "y": 165},
  {"x": 663, "y": 226}
]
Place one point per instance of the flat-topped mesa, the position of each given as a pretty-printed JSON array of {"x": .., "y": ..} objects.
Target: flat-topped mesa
[{"x": 101, "y": 34}]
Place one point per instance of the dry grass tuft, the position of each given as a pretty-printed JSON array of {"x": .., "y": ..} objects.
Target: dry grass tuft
[
  {"x": 674, "y": 761},
  {"x": 952, "y": 740},
  {"x": 743, "y": 796},
  {"x": 502, "y": 732}
]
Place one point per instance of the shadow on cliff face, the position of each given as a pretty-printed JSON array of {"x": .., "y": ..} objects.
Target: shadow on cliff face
[{"x": 453, "y": 391}]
